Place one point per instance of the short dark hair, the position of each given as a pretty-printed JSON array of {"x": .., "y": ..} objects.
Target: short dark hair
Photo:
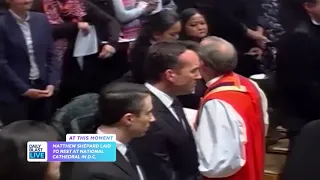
[
  {"x": 165, "y": 55},
  {"x": 120, "y": 98},
  {"x": 13, "y": 149}
]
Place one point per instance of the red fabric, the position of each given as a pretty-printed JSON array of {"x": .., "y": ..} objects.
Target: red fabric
[
  {"x": 248, "y": 105},
  {"x": 54, "y": 9}
]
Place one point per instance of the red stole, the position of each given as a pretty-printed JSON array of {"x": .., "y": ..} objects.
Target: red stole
[{"x": 244, "y": 97}]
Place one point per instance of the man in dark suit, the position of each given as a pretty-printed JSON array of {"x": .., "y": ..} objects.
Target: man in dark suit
[
  {"x": 168, "y": 150},
  {"x": 27, "y": 63},
  {"x": 298, "y": 78},
  {"x": 125, "y": 109},
  {"x": 303, "y": 161}
]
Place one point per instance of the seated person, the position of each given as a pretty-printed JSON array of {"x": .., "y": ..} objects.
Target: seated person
[{"x": 13, "y": 152}]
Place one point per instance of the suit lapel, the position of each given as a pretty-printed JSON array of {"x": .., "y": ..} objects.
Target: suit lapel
[
  {"x": 123, "y": 164},
  {"x": 34, "y": 34},
  {"x": 166, "y": 114},
  {"x": 14, "y": 27},
  {"x": 36, "y": 38},
  {"x": 188, "y": 128},
  {"x": 170, "y": 119}
]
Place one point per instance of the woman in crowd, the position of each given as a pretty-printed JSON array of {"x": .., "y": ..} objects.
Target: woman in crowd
[
  {"x": 164, "y": 25},
  {"x": 129, "y": 13},
  {"x": 194, "y": 28},
  {"x": 68, "y": 17},
  {"x": 13, "y": 152},
  {"x": 194, "y": 25}
]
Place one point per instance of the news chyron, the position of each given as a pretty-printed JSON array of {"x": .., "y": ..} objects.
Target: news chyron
[{"x": 76, "y": 148}]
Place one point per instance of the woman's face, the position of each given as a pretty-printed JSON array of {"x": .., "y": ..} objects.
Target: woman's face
[
  {"x": 196, "y": 26},
  {"x": 170, "y": 34}
]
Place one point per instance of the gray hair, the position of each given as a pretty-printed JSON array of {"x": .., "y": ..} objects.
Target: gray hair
[{"x": 218, "y": 54}]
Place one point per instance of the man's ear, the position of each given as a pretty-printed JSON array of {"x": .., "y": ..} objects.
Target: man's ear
[
  {"x": 170, "y": 75},
  {"x": 309, "y": 6},
  {"x": 127, "y": 119}
]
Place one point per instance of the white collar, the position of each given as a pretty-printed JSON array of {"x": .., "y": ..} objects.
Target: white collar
[
  {"x": 164, "y": 98},
  {"x": 209, "y": 83},
  {"x": 122, "y": 148},
  {"x": 18, "y": 18},
  {"x": 315, "y": 22}
]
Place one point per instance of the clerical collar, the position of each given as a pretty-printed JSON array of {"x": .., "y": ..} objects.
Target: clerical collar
[
  {"x": 315, "y": 22},
  {"x": 209, "y": 83}
]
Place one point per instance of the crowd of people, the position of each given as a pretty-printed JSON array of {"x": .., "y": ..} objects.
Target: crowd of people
[{"x": 156, "y": 60}]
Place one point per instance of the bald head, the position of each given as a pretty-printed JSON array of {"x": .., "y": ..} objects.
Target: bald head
[{"x": 218, "y": 54}]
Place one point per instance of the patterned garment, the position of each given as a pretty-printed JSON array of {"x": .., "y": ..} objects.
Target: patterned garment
[
  {"x": 59, "y": 12},
  {"x": 270, "y": 19},
  {"x": 130, "y": 30},
  {"x": 274, "y": 30}
]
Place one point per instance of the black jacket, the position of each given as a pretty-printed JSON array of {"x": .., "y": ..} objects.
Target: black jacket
[{"x": 298, "y": 77}]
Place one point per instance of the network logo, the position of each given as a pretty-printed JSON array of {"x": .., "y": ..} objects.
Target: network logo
[{"x": 37, "y": 151}]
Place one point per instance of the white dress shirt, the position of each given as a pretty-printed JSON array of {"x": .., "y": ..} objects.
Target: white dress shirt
[
  {"x": 164, "y": 98},
  {"x": 25, "y": 28},
  {"x": 122, "y": 148},
  {"x": 221, "y": 138}
]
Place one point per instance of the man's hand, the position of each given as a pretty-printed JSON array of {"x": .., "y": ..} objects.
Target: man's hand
[
  {"x": 49, "y": 91},
  {"x": 260, "y": 29},
  {"x": 258, "y": 36},
  {"x": 262, "y": 44},
  {"x": 84, "y": 27},
  {"x": 256, "y": 52},
  {"x": 34, "y": 93},
  {"x": 152, "y": 5},
  {"x": 107, "y": 51}
]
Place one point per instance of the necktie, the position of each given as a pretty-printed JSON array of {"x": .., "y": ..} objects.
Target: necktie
[
  {"x": 176, "y": 105},
  {"x": 132, "y": 158}
]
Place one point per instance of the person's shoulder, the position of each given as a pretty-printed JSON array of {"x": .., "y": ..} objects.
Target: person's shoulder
[
  {"x": 37, "y": 14},
  {"x": 40, "y": 17},
  {"x": 91, "y": 168},
  {"x": 302, "y": 30}
]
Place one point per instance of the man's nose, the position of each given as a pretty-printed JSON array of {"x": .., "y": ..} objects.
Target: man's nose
[
  {"x": 198, "y": 75},
  {"x": 152, "y": 118}
]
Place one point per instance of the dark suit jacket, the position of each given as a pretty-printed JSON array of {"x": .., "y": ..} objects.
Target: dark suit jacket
[
  {"x": 119, "y": 170},
  {"x": 303, "y": 160},
  {"x": 167, "y": 151},
  {"x": 298, "y": 78},
  {"x": 14, "y": 57}
]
